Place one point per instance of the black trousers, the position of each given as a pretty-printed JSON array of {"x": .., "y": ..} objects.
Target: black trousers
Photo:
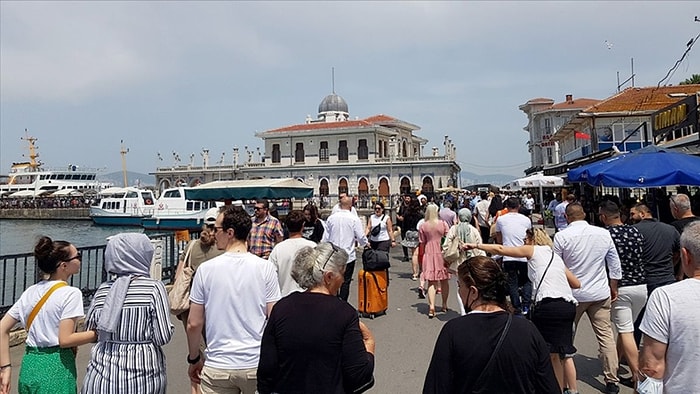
[{"x": 345, "y": 287}]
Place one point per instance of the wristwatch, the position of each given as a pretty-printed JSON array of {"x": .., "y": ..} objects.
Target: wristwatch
[{"x": 194, "y": 360}]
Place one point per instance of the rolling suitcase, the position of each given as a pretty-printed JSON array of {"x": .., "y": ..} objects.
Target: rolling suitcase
[{"x": 373, "y": 293}]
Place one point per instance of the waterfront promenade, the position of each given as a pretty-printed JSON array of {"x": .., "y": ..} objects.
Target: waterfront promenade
[{"x": 405, "y": 339}]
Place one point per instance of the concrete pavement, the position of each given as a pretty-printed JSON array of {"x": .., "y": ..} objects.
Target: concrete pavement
[{"x": 405, "y": 340}]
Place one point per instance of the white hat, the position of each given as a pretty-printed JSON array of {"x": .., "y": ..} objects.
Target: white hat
[
  {"x": 210, "y": 216},
  {"x": 237, "y": 203}
]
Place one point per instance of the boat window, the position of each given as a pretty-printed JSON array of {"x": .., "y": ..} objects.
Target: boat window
[
  {"x": 91, "y": 177},
  {"x": 61, "y": 176},
  {"x": 132, "y": 195},
  {"x": 198, "y": 206},
  {"x": 172, "y": 194},
  {"x": 189, "y": 205},
  {"x": 42, "y": 177}
]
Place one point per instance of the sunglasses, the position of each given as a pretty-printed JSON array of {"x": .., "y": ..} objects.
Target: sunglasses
[
  {"x": 378, "y": 208},
  {"x": 78, "y": 257},
  {"x": 335, "y": 249},
  {"x": 259, "y": 208}
]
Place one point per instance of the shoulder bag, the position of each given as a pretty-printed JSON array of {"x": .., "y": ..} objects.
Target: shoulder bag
[
  {"x": 179, "y": 296},
  {"x": 452, "y": 246},
  {"x": 533, "y": 302},
  {"x": 42, "y": 301},
  {"x": 478, "y": 383},
  {"x": 377, "y": 229}
]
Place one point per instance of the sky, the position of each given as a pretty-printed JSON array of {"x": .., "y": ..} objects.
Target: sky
[{"x": 178, "y": 76}]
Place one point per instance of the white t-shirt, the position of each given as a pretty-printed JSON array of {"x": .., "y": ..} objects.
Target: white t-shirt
[
  {"x": 554, "y": 283},
  {"x": 673, "y": 317},
  {"x": 512, "y": 227},
  {"x": 235, "y": 289},
  {"x": 481, "y": 211},
  {"x": 559, "y": 215},
  {"x": 64, "y": 303},
  {"x": 282, "y": 257},
  {"x": 529, "y": 203}
]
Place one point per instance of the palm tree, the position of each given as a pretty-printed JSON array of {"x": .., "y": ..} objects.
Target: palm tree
[{"x": 694, "y": 79}]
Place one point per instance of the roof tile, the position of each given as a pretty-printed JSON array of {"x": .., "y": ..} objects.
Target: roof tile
[{"x": 635, "y": 99}]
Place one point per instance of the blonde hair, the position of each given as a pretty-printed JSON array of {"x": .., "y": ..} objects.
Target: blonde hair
[
  {"x": 431, "y": 213},
  {"x": 540, "y": 237}
]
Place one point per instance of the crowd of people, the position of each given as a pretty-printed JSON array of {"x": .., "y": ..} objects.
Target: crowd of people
[
  {"x": 44, "y": 203},
  {"x": 269, "y": 308}
]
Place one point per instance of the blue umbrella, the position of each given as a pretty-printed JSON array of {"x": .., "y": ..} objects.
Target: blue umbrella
[{"x": 647, "y": 167}]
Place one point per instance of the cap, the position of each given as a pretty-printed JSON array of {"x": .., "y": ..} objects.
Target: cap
[
  {"x": 237, "y": 203},
  {"x": 210, "y": 216},
  {"x": 423, "y": 197}
]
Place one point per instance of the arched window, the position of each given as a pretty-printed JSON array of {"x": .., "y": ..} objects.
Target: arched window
[
  {"x": 342, "y": 186},
  {"x": 405, "y": 185},
  {"x": 323, "y": 152}
]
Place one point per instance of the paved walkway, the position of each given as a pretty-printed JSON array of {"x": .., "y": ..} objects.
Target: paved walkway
[{"x": 405, "y": 340}]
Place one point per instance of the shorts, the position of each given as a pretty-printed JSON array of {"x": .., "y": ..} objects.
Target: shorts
[{"x": 624, "y": 311}]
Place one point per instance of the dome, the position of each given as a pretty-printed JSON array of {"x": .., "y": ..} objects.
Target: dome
[{"x": 333, "y": 103}]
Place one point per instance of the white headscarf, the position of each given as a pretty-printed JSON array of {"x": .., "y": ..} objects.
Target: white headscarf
[{"x": 127, "y": 255}]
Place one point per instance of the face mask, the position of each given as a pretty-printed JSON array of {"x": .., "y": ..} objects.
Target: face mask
[{"x": 468, "y": 305}]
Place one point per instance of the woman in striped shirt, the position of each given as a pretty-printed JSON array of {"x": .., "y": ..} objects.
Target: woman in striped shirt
[{"x": 132, "y": 318}]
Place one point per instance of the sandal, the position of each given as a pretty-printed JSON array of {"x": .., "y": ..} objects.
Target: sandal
[
  {"x": 444, "y": 309},
  {"x": 431, "y": 314},
  {"x": 414, "y": 277}
]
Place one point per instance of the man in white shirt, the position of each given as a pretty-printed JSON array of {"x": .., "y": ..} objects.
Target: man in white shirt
[
  {"x": 529, "y": 203},
  {"x": 234, "y": 293},
  {"x": 511, "y": 229},
  {"x": 585, "y": 250},
  {"x": 481, "y": 213},
  {"x": 337, "y": 208},
  {"x": 344, "y": 229},
  {"x": 671, "y": 324},
  {"x": 283, "y": 254}
]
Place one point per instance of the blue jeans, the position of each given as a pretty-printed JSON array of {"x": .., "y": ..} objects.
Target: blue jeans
[{"x": 517, "y": 277}]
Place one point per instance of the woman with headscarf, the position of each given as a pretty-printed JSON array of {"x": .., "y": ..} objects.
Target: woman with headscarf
[
  {"x": 48, "y": 365},
  {"x": 464, "y": 232},
  {"x": 313, "y": 341},
  {"x": 132, "y": 319},
  {"x": 488, "y": 350}
]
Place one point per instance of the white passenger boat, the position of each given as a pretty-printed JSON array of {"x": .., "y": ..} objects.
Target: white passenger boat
[
  {"x": 174, "y": 212},
  {"x": 122, "y": 206},
  {"x": 30, "y": 179}
]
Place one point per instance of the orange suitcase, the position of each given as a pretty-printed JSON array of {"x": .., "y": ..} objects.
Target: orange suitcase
[{"x": 373, "y": 293}]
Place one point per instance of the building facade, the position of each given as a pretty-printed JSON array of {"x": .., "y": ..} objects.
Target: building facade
[
  {"x": 379, "y": 156},
  {"x": 545, "y": 117}
]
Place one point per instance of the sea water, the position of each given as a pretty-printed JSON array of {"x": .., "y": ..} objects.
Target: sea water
[{"x": 20, "y": 236}]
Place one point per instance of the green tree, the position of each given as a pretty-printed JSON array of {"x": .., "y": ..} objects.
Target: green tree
[{"x": 694, "y": 79}]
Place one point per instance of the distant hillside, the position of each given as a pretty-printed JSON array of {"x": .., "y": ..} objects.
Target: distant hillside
[
  {"x": 133, "y": 178},
  {"x": 470, "y": 178}
]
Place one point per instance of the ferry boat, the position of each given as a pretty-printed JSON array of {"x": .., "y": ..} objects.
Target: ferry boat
[
  {"x": 29, "y": 179},
  {"x": 173, "y": 211},
  {"x": 122, "y": 206}
]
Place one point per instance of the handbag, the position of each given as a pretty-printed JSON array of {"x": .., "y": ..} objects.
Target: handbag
[
  {"x": 179, "y": 296},
  {"x": 533, "y": 303},
  {"x": 375, "y": 260},
  {"x": 452, "y": 247},
  {"x": 377, "y": 229},
  {"x": 478, "y": 383}
]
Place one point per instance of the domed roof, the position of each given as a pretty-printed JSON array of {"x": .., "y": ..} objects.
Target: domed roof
[{"x": 333, "y": 103}]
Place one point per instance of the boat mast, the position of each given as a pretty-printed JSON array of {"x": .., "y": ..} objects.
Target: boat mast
[
  {"x": 31, "y": 141},
  {"x": 123, "y": 152}
]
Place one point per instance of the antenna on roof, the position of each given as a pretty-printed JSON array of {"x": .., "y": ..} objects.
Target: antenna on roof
[{"x": 333, "y": 79}]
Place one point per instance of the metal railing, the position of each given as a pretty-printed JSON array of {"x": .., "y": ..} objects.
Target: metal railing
[{"x": 19, "y": 271}]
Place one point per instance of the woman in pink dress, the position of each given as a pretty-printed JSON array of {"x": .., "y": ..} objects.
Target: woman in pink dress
[{"x": 434, "y": 269}]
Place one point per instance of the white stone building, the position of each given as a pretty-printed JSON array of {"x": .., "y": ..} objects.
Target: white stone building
[{"x": 375, "y": 156}]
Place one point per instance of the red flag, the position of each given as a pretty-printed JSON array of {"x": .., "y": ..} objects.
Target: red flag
[{"x": 582, "y": 136}]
